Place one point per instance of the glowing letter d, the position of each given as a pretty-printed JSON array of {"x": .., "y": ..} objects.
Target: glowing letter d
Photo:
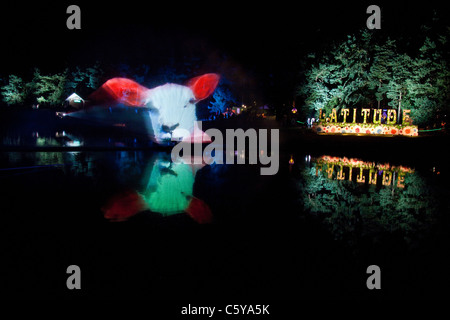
[
  {"x": 74, "y": 281},
  {"x": 74, "y": 21},
  {"x": 374, "y": 281}
]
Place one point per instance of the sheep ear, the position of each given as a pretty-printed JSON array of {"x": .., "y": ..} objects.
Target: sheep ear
[
  {"x": 122, "y": 90},
  {"x": 203, "y": 86}
]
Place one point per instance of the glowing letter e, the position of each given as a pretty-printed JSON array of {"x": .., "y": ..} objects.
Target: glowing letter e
[
  {"x": 74, "y": 21},
  {"x": 374, "y": 281},
  {"x": 374, "y": 21},
  {"x": 74, "y": 281}
]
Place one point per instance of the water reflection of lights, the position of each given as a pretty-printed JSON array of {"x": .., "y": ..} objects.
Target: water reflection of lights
[
  {"x": 167, "y": 189},
  {"x": 343, "y": 168},
  {"x": 363, "y": 198},
  {"x": 67, "y": 139},
  {"x": 74, "y": 143}
]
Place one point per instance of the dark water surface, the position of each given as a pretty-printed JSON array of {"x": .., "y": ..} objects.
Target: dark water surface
[{"x": 223, "y": 231}]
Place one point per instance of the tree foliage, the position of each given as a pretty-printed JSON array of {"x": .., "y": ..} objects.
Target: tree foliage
[
  {"x": 351, "y": 210},
  {"x": 48, "y": 89},
  {"x": 13, "y": 92},
  {"x": 221, "y": 99},
  {"x": 51, "y": 89},
  {"x": 363, "y": 71},
  {"x": 83, "y": 81}
]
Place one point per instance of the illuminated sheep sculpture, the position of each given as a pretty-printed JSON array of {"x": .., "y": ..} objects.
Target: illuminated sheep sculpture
[{"x": 171, "y": 106}]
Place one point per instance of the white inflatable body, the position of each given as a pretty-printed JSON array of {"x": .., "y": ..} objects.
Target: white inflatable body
[{"x": 172, "y": 107}]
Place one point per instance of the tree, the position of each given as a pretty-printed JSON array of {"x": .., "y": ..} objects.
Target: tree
[
  {"x": 83, "y": 81},
  {"x": 428, "y": 87},
  {"x": 222, "y": 98},
  {"x": 48, "y": 89},
  {"x": 351, "y": 210},
  {"x": 340, "y": 77},
  {"x": 363, "y": 71},
  {"x": 380, "y": 71},
  {"x": 14, "y": 92}
]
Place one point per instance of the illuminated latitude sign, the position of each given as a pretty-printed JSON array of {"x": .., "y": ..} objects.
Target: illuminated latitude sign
[{"x": 374, "y": 122}]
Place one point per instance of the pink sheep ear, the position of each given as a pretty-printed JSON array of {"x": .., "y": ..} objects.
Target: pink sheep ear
[
  {"x": 121, "y": 90},
  {"x": 203, "y": 86}
]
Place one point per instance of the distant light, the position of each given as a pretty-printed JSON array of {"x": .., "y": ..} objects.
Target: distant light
[
  {"x": 291, "y": 161},
  {"x": 74, "y": 143},
  {"x": 294, "y": 110},
  {"x": 60, "y": 134}
]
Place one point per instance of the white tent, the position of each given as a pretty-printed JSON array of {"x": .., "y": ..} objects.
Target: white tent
[{"x": 75, "y": 101}]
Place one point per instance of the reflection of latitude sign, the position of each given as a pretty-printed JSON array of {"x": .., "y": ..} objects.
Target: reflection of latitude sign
[
  {"x": 381, "y": 123},
  {"x": 365, "y": 171}
]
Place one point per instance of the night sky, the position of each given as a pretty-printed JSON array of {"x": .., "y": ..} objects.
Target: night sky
[{"x": 258, "y": 46}]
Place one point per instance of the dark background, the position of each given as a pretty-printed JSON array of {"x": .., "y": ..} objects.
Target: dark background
[
  {"x": 256, "y": 43},
  {"x": 259, "y": 43}
]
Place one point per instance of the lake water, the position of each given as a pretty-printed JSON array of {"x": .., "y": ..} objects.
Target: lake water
[{"x": 140, "y": 226}]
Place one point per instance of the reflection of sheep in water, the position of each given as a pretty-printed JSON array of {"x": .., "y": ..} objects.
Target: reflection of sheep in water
[
  {"x": 169, "y": 191},
  {"x": 171, "y": 106},
  {"x": 170, "y": 187}
]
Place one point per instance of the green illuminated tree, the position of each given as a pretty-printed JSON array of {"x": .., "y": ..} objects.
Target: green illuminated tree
[
  {"x": 363, "y": 71},
  {"x": 380, "y": 71},
  {"x": 351, "y": 210},
  {"x": 48, "y": 89},
  {"x": 340, "y": 77},
  {"x": 428, "y": 87},
  {"x": 14, "y": 91},
  {"x": 84, "y": 81}
]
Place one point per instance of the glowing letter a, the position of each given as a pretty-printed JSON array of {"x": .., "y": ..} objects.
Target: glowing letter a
[
  {"x": 374, "y": 21},
  {"x": 74, "y": 281},
  {"x": 374, "y": 281},
  {"x": 74, "y": 21}
]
